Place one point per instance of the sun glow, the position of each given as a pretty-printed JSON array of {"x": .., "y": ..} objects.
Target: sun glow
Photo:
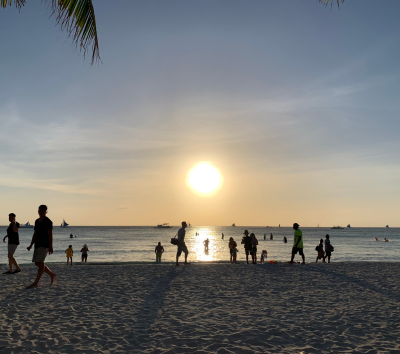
[{"x": 204, "y": 178}]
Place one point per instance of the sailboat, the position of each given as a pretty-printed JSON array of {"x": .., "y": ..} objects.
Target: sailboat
[
  {"x": 348, "y": 226},
  {"x": 387, "y": 226},
  {"x": 233, "y": 225},
  {"x": 64, "y": 224},
  {"x": 27, "y": 225}
]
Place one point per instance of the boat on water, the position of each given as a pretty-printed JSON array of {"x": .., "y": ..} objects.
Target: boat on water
[
  {"x": 163, "y": 226},
  {"x": 26, "y": 226},
  {"x": 384, "y": 240},
  {"x": 348, "y": 226},
  {"x": 233, "y": 225},
  {"x": 387, "y": 226},
  {"x": 64, "y": 224},
  {"x": 337, "y": 228}
]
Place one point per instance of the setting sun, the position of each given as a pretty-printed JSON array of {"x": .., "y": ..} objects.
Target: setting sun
[{"x": 204, "y": 178}]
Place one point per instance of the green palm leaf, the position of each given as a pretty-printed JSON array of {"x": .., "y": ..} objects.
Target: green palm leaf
[
  {"x": 326, "y": 2},
  {"x": 76, "y": 17}
]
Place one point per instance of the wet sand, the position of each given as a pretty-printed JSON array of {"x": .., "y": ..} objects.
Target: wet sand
[{"x": 204, "y": 308}]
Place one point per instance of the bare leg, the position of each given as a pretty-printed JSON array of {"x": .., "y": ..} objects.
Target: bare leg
[
  {"x": 247, "y": 258},
  {"x": 304, "y": 259},
  {"x": 234, "y": 259},
  {"x": 10, "y": 262},
  {"x": 255, "y": 258},
  {"x": 49, "y": 272},
  {"x": 316, "y": 261},
  {"x": 329, "y": 259},
  {"x": 40, "y": 266},
  {"x": 186, "y": 256},
  {"x": 291, "y": 260},
  {"x": 71, "y": 261},
  {"x": 177, "y": 259},
  {"x": 16, "y": 264}
]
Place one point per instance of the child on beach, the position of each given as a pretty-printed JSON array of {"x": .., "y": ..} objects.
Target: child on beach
[
  {"x": 263, "y": 256},
  {"x": 69, "y": 253},
  {"x": 320, "y": 250},
  {"x": 159, "y": 250}
]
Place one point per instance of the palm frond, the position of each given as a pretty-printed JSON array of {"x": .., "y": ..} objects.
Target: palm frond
[
  {"x": 326, "y": 2},
  {"x": 18, "y": 3},
  {"x": 76, "y": 17}
]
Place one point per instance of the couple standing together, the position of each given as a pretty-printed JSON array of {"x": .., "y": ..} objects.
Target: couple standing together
[{"x": 250, "y": 246}]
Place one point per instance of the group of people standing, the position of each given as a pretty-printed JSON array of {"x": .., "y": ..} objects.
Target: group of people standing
[{"x": 250, "y": 243}]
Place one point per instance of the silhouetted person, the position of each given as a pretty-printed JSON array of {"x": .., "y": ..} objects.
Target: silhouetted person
[
  {"x": 13, "y": 242},
  {"x": 232, "y": 249},
  {"x": 320, "y": 250},
  {"x": 159, "y": 250},
  {"x": 265, "y": 236},
  {"x": 246, "y": 241},
  {"x": 222, "y": 235},
  {"x": 271, "y": 237},
  {"x": 263, "y": 257},
  {"x": 254, "y": 243},
  {"x": 284, "y": 239},
  {"x": 84, "y": 251},
  {"x": 206, "y": 242},
  {"x": 43, "y": 240},
  {"x": 298, "y": 243},
  {"x": 328, "y": 248},
  {"x": 181, "y": 243}
]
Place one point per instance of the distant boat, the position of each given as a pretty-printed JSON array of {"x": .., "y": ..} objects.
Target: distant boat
[
  {"x": 348, "y": 226},
  {"x": 387, "y": 226},
  {"x": 64, "y": 224},
  {"x": 337, "y": 228},
  {"x": 233, "y": 225},
  {"x": 163, "y": 226},
  {"x": 27, "y": 225}
]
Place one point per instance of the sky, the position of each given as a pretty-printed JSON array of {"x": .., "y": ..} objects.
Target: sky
[{"x": 295, "y": 103}]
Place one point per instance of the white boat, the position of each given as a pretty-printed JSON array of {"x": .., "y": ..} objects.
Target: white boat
[
  {"x": 163, "y": 226},
  {"x": 26, "y": 226},
  {"x": 233, "y": 225},
  {"x": 64, "y": 224},
  {"x": 348, "y": 226}
]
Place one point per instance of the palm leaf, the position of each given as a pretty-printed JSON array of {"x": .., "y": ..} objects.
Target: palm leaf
[
  {"x": 326, "y": 2},
  {"x": 76, "y": 17}
]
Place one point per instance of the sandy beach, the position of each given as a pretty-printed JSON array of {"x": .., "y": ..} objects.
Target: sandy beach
[{"x": 204, "y": 308}]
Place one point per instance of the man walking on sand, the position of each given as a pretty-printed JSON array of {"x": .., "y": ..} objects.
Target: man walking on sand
[
  {"x": 181, "y": 245},
  {"x": 13, "y": 242},
  {"x": 298, "y": 243},
  {"x": 43, "y": 240}
]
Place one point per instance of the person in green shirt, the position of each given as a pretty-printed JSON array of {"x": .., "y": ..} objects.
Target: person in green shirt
[{"x": 298, "y": 243}]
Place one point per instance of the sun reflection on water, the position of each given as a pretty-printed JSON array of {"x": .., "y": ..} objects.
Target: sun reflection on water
[{"x": 198, "y": 253}]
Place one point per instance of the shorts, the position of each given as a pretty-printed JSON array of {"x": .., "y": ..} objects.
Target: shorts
[
  {"x": 234, "y": 252},
  {"x": 247, "y": 251},
  {"x": 231, "y": 251},
  {"x": 328, "y": 253},
  {"x": 158, "y": 255},
  {"x": 12, "y": 248},
  {"x": 40, "y": 254},
  {"x": 84, "y": 255},
  {"x": 297, "y": 249},
  {"x": 254, "y": 250},
  {"x": 182, "y": 249}
]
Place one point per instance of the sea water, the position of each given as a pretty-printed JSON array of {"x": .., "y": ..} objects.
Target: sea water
[{"x": 136, "y": 244}]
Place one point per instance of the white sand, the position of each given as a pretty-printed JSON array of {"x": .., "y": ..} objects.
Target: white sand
[{"x": 204, "y": 308}]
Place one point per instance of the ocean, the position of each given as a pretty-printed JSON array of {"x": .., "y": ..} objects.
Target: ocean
[{"x": 137, "y": 243}]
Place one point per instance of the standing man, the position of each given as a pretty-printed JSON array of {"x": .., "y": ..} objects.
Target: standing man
[
  {"x": 181, "y": 245},
  {"x": 328, "y": 248},
  {"x": 159, "y": 250},
  {"x": 298, "y": 243},
  {"x": 222, "y": 235},
  {"x": 13, "y": 242},
  {"x": 246, "y": 240},
  {"x": 43, "y": 240}
]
